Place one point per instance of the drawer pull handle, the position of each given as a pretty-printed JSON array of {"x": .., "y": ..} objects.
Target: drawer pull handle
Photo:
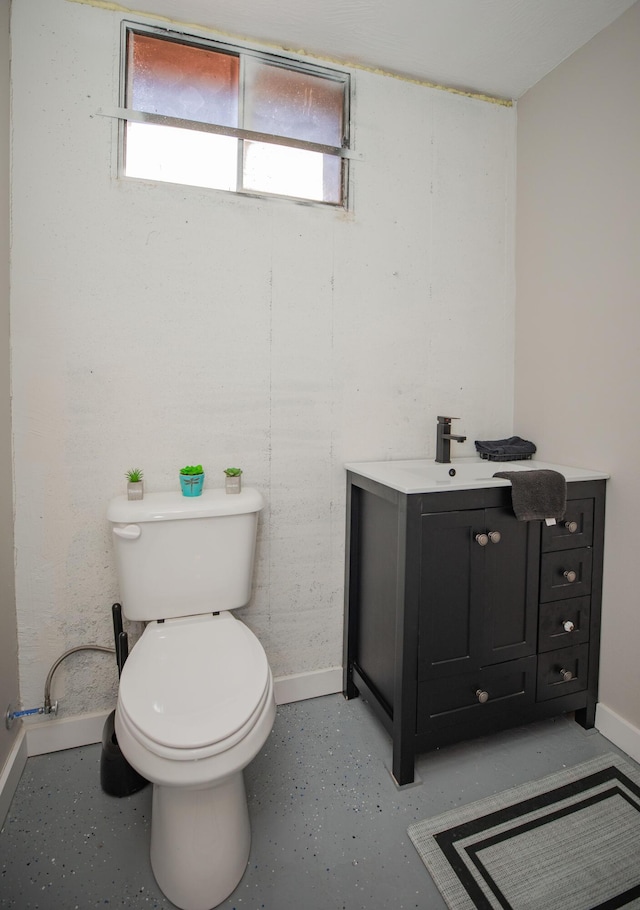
[
  {"x": 571, "y": 526},
  {"x": 568, "y": 626},
  {"x": 570, "y": 575},
  {"x": 495, "y": 536},
  {"x": 566, "y": 675},
  {"x": 482, "y": 539},
  {"x": 483, "y": 697}
]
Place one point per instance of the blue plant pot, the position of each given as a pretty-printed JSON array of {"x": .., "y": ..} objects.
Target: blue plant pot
[{"x": 191, "y": 484}]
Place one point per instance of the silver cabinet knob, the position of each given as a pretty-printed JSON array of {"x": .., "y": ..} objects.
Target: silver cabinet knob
[
  {"x": 570, "y": 575},
  {"x": 566, "y": 675},
  {"x": 495, "y": 536},
  {"x": 482, "y": 696},
  {"x": 482, "y": 539},
  {"x": 571, "y": 526},
  {"x": 568, "y": 626}
]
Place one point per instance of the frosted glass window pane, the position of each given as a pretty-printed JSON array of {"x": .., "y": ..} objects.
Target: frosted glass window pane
[
  {"x": 202, "y": 82},
  {"x": 290, "y": 172},
  {"x": 178, "y": 80},
  {"x": 181, "y": 156},
  {"x": 284, "y": 102}
]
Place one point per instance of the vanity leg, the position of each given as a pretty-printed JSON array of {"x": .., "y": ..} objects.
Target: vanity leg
[
  {"x": 586, "y": 717},
  {"x": 349, "y": 688},
  {"x": 351, "y": 585},
  {"x": 403, "y": 763}
]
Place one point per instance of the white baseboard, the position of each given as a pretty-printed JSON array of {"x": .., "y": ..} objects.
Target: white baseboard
[
  {"x": 53, "y": 734},
  {"x": 621, "y": 733},
  {"x": 65, "y": 732},
  {"x": 308, "y": 685},
  {"x": 11, "y": 773}
]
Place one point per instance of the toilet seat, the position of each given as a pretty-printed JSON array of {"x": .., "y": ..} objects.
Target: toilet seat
[{"x": 194, "y": 687}]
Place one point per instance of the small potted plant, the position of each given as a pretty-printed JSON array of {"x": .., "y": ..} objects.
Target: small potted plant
[
  {"x": 135, "y": 487},
  {"x": 192, "y": 480},
  {"x": 233, "y": 480}
]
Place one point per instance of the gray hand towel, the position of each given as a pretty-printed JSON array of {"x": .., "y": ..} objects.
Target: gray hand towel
[
  {"x": 537, "y": 495},
  {"x": 501, "y": 448}
]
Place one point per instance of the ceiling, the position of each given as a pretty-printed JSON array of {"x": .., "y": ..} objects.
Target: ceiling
[{"x": 493, "y": 47}]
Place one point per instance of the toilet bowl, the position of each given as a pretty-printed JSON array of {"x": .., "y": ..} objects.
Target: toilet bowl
[
  {"x": 195, "y": 706},
  {"x": 196, "y": 701}
]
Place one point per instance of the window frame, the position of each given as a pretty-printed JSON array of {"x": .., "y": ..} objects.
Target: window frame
[{"x": 241, "y": 51}]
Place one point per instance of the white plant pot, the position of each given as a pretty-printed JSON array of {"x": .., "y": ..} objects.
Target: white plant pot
[
  {"x": 233, "y": 484},
  {"x": 135, "y": 490}
]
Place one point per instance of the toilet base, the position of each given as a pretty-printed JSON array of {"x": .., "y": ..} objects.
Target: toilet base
[{"x": 200, "y": 842}]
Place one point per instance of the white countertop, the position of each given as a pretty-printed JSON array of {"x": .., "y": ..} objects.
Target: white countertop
[{"x": 426, "y": 476}]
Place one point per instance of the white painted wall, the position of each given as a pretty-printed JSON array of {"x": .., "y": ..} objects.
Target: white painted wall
[
  {"x": 578, "y": 306},
  {"x": 8, "y": 633},
  {"x": 155, "y": 326}
]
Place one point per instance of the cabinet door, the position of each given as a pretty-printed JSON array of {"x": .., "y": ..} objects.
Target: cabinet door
[
  {"x": 478, "y": 598},
  {"x": 451, "y": 597},
  {"x": 511, "y": 587}
]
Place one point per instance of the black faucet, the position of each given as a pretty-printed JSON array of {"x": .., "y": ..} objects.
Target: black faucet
[{"x": 443, "y": 440}]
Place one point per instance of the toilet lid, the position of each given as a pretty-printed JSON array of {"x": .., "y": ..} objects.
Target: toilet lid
[{"x": 193, "y": 682}]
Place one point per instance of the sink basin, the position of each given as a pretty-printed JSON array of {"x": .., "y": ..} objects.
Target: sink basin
[
  {"x": 430, "y": 472},
  {"x": 425, "y": 476}
]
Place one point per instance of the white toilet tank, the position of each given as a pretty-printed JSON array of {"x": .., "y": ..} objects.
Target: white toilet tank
[{"x": 181, "y": 555}]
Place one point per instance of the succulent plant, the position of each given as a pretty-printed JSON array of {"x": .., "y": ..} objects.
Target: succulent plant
[
  {"x": 134, "y": 475},
  {"x": 233, "y": 472},
  {"x": 192, "y": 469}
]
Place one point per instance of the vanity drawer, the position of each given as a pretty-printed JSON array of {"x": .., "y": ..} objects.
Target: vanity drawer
[
  {"x": 556, "y": 619},
  {"x": 562, "y": 672},
  {"x": 575, "y": 530},
  {"x": 453, "y": 700},
  {"x": 566, "y": 573}
]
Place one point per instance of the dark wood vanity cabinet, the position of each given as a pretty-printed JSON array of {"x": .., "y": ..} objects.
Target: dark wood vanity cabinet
[{"x": 461, "y": 620}]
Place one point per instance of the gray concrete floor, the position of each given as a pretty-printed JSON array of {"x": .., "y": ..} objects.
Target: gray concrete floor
[{"x": 329, "y": 825}]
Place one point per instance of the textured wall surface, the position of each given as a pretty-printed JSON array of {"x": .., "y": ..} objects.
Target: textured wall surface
[
  {"x": 156, "y": 325},
  {"x": 578, "y": 325}
]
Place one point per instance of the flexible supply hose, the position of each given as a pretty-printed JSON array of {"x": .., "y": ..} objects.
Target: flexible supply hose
[{"x": 47, "y": 685}]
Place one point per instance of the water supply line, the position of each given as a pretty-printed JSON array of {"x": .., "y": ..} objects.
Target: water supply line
[
  {"x": 47, "y": 707},
  {"x": 47, "y": 685}
]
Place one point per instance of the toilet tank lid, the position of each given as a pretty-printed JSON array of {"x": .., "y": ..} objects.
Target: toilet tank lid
[{"x": 173, "y": 505}]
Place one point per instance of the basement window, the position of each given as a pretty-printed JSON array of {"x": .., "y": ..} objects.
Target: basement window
[{"x": 207, "y": 114}]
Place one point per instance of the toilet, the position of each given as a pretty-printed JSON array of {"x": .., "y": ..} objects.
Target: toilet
[{"x": 195, "y": 702}]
